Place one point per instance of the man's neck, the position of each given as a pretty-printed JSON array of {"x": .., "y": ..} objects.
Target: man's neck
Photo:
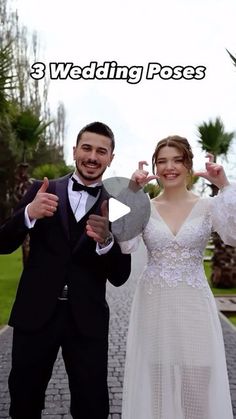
[{"x": 85, "y": 181}]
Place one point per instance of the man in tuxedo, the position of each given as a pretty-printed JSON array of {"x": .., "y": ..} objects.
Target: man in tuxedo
[{"x": 60, "y": 301}]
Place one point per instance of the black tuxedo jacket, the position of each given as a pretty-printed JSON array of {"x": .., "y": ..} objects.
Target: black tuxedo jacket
[{"x": 52, "y": 261}]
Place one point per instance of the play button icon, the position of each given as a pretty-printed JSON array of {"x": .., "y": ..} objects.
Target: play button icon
[
  {"x": 129, "y": 207},
  {"x": 117, "y": 209}
]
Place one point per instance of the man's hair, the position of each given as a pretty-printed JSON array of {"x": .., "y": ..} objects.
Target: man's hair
[{"x": 98, "y": 128}]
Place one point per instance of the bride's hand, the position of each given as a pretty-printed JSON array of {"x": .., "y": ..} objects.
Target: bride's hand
[
  {"x": 140, "y": 176},
  {"x": 214, "y": 173}
]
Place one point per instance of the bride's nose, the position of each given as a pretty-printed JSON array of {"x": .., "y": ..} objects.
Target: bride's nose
[{"x": 169, "y": 164}]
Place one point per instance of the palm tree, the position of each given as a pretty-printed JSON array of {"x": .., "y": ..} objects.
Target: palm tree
[
  {"x": 7, "y": 160},
  {"x": 215, "y": 140},
  {"x": 6, "y": 78},
  {"x": 28, "y": 129},
  {"x": 152, "y": 190}
]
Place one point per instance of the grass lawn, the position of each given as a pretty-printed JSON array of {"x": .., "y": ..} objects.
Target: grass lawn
[
  {"x": 217, "y": 291},
  {"x": 221, "y": 291},
  {"x": 10, "y": 269},
  {"x": 232, "y": 318}
]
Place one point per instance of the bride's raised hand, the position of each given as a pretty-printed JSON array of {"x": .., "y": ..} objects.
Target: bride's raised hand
[
  {"x": 214, "y": 173},
  {"x": 140, "y": 176}
]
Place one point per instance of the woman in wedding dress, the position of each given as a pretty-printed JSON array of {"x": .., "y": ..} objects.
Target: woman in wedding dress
[{"x": 175, "y": 362}]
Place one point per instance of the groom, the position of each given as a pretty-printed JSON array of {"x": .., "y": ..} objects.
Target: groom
[{"x": 60, "y": 301}]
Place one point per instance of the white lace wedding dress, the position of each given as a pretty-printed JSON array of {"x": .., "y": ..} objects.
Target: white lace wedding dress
[{"x": 175, "y": 362}]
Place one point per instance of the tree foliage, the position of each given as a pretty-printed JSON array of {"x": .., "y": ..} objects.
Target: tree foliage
[
  {"x": 28, "y": 130},
  {"x": 51, "y": 171},
  {"x": 215, "y": 140},
  {"x": 5, "y": 76},
  {"x": 213, "y": 137},
  {"x": 152, "y": 190}
]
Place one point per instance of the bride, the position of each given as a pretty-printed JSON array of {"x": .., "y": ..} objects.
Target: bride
[{"x": 175, "y": 362}]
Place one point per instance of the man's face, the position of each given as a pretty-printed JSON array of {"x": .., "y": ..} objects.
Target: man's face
[{"x": 92, "y": 156}]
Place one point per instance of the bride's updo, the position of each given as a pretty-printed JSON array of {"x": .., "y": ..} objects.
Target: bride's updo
[{"x": 181, "y": 144}]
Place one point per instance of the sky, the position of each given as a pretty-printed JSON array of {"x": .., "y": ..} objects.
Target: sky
[{"x": 134, "y": 34}]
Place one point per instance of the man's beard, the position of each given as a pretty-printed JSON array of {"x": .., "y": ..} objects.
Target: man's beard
[{"x": 89, "y": 177}]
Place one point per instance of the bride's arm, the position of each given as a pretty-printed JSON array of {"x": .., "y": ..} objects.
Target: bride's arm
[
  {"x": 223, "y": 205},
  {"x": 130, "y": 246},
  {"x": 223, "y": 213}
]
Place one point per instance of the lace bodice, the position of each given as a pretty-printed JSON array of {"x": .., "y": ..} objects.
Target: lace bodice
[{"x": 176, "y": 258}]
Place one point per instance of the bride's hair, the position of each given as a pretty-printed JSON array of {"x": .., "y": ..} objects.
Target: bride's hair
[{"x": 182, "y": 145}]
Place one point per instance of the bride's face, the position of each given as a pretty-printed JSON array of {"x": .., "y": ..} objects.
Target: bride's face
[{"x": 170, "y": 167}]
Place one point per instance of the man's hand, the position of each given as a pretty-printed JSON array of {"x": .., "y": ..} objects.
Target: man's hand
[
  {"x": 98, "y": 225},
  {"x": 44, "y": 204}
]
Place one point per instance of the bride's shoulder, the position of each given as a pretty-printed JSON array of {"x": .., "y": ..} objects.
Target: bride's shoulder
[{"x": 194, "y": 197}]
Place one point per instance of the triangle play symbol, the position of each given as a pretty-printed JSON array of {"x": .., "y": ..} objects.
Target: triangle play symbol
[{"x": 117, "y": 209}]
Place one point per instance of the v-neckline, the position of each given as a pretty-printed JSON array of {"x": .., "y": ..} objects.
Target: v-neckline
[{"x": 183, "y": 223}]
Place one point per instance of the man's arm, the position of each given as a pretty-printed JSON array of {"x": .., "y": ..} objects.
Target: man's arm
[
  {"x": 13, "y": 232},
  {"x": 118, "y": 265},
  {"x": 40, "y": 204}
]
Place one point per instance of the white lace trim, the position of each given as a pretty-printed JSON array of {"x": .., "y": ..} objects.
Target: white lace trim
[
  {"x": 223, "y": 210},
  {"x": 173, "y": 265}
]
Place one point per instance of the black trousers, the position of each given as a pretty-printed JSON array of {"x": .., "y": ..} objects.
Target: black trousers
[{"x": 33, "y": 357}]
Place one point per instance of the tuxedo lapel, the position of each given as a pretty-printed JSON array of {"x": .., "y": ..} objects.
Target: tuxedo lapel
[
  {"x": 96, "y": 209},
  {"x": 62, "y": 193}
]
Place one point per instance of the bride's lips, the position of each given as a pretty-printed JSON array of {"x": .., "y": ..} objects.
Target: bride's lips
[{"x": 171, "y": 176}]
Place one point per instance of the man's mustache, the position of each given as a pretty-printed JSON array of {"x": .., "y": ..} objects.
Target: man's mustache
[{"x": 92, "y": 162}]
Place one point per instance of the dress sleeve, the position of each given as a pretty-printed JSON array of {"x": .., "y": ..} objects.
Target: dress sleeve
[
  {"x": 223, "y": 212},
  {"x": 130, "y": 246}
]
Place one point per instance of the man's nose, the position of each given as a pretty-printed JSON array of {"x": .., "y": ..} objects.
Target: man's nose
[{"x": 93, "y": 155}]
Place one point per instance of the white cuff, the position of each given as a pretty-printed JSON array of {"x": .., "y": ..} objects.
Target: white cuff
[
  {"x": 103, "y": 250},
  {"x": 28, "y": 222}
]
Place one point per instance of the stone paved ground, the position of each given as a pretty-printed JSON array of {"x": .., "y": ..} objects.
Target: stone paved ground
[{"x": 57, "y": 400}]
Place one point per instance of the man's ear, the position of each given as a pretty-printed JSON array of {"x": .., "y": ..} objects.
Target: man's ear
[
  {"x": 112, "y": 157},
  {"x": 74, "y": 151}
]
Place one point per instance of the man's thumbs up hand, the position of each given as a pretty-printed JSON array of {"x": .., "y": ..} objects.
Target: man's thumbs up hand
[
  {"x": 98, "y": 225},
  {"x": 104, "y": 209},
  {"x": 44, "y": 185},
  {"x": 44, "y": 204}
]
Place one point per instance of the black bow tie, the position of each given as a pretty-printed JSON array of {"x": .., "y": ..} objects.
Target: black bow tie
[{"x": 79, "y": 187}]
